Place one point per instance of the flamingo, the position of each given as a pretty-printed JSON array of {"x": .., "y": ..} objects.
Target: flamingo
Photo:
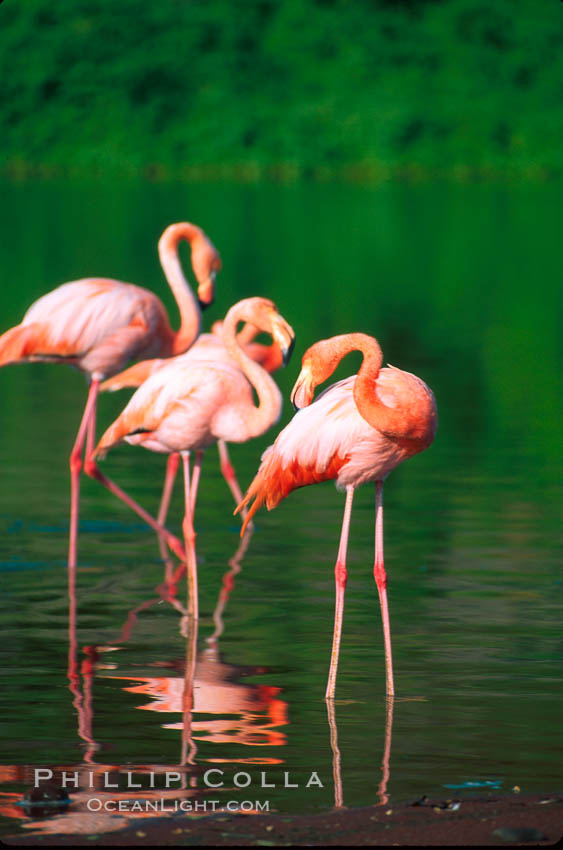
[
  {"x": 207, "y": 346},
  {"x": 188, "y": 405},
  {"x": 99, "y": 324},
  {"x": 357, "y": 430}
]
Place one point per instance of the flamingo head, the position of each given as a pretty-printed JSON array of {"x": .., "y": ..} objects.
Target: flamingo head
[
  {"x": 206, "y": 263},
  {"x": 304, "y": 387},
  {"x": 318, "y": 364},
  {"x": 264, "y": 315}
]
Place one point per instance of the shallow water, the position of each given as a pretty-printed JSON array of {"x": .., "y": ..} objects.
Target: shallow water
[{"x": 461, "y": 286}]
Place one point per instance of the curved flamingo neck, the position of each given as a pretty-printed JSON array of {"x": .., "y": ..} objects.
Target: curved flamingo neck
[
  {"x": 190, "y": 314},
  {"x": 413, "y": 421},
  {"x": 270, "y": 357},
  {"x": 258, "y": 419},
  {"x": 325, "y": 356}
]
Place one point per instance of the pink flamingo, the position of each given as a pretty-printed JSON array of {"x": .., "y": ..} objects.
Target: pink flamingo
[
  {"x": 208, "y": 346},
  {"x": 357, "y": 430},
  {"x": 188, "y": 405},
  {"x": 98, "y": 325}
]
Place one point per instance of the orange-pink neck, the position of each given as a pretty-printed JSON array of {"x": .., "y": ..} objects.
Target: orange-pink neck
[
  {"x": 414, "y": 423},
  {"x": 190, "y": 314},
  {"x": 257, "y": 419}
]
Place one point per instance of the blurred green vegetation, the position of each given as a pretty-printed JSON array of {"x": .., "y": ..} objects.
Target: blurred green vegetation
[{"x": 303, "y": 88}]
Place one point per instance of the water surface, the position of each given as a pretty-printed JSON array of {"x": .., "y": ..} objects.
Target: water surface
[{"x": 461, "y": 285}]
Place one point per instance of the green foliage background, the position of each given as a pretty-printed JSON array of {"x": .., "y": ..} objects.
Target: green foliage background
[{"x": 367, "y": 88}]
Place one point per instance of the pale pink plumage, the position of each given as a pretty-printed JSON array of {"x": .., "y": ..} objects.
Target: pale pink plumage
[
  {"x": 95, "y": 324},
  {"x": 207, "y": 347},
  {"x": 186, "y": 405}
]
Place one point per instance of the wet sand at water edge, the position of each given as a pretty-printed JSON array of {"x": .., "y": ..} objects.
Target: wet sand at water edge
[{"x": 490, "y": 820}]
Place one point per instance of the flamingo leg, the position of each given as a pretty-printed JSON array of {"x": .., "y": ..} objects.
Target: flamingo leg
[
  {"x": 336, "y": 759},
  {"x": 195, "y": 480},
  {"x": 168, "y": 562},
  {"x": 382, "y": 789},
  {"x": 91, "y": 468},
  {"x": 91, "y": 433},
  {"x": 230, "y": 477},
  {"x": 189, "y": 748},
  {"x": 171, "y": 577},
  {"x": 381, "y": 582},
  {"x": 82, "y": 701},
  {"x": 190, "y": 493},
  {"x": 227, "y": 586},
  {"x": 340, "y": 576},
  {"x": 75, "y": 469},
  {"x": 171, "y": 469}
]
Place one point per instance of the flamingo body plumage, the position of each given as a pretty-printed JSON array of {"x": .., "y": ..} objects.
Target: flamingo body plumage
[
  {"x": 208, "y": 347},
  {"x": 95, "y": 324},
  {"x": 187, "y": 405}
]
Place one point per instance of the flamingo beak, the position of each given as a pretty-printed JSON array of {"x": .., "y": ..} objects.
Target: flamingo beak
[
  {"x": 284, "y": 335},
  {"x": 303, "y": 390},
  {"x": 206, "y": 291}
]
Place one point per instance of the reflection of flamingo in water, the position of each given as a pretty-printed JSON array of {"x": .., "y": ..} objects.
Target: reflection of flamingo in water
[
  {"x": 357, "y": 430},
  {"x": 337, "y": 760},
  {"x": 255, "y": 702},
  {"x": 260, "y": 707},
  {"x": 212, "y": 687},
  {"x": 262, "y": 712},
  {"x": 92, "y": 775},
  {"x": 98, "y": 325},
  {"x": 216, "y": 686}
]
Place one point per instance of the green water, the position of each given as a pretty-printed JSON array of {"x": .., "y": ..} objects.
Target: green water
[{"x": 461, "y": 285}]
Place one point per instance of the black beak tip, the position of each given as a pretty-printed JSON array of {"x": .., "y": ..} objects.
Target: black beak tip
[
  {"x": 287, "y": 352},
  {"x": 203, "y": 305},
  {"x": 294, "y": 404}
]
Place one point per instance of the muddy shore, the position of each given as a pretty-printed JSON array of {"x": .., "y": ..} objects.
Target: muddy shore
[{"x": 490, "y": 820}]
